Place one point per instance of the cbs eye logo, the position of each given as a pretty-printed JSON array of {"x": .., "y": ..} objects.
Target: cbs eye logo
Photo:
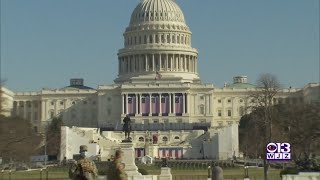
[{"x": 278, "y": 148}]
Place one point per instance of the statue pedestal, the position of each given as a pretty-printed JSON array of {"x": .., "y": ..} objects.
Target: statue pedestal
[
  {"x": 129, "y": 160},
  {"x": 165, "y": 174}
]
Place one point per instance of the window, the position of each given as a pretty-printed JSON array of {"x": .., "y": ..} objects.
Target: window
[
  {"x": 177, "y": 138},
  {"x": 141, "y": 139},
  {"x": 51, "y": 114},
  {"x": 241, "y": 111},
  {"x": 155, "y": 121},
  {"x": 165, "y": 139},
  {"x": 229, "y": 100},
  {"x": 52, "y": 103},
  {"x": 241, "y": 100},
  {"x": 35, "y": 116},
  {"x": 201, "y": 97},
  {"x": 253, "y": 101},
  {"x": 61, "y": 102},
  {"x": 145, "y": 39},
  {"x": 219, "y": 100},
  {"x": 219, "y": 113},
  {"x": 229, "y": 113},
  {"x": 29, "y": 104},
  {"x": 201, "y": 109}
]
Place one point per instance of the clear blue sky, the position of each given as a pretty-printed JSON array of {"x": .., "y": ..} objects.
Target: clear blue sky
[{"x": 47, "y": 42}]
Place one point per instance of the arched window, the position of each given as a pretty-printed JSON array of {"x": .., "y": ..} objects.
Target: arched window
[
  {"x": 177, "y": 138},
  {"x": 141, "y": 139},
  {"x": 241, "y": 111},
  {"x": 165, "y": 139},
  {"x": 145, "y": 39}
]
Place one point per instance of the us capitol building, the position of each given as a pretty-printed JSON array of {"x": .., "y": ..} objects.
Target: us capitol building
[{"x": 158, "y": 85}]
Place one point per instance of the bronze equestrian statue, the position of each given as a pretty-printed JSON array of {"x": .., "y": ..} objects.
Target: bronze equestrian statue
[{"x": 127, "y": 127}]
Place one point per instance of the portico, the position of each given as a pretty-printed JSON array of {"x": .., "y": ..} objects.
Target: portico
[{"x": 155, "y": 104}]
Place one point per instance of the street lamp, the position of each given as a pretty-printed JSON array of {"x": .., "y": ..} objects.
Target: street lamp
[
  {"x": 209, "y": 170},
  {"x": 45, "y": 127},
  {"x": 246, "y": 172}
]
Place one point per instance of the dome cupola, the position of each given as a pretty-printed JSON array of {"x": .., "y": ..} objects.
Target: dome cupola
[
  {"x": 149, "y": 11},
  {"x": 157, "y": 45}
]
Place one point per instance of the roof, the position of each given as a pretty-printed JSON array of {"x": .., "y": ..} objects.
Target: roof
[
  {"x": 241, "y": 86},
  {"x": 76, "y": 87},
  {"x": 157, "y": 10}
]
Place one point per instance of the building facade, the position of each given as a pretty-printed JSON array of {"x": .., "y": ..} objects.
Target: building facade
[{"x": 158, "y": 85}]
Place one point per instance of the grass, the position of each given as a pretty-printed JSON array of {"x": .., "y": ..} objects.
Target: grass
[{"x": 231, "y": 173}]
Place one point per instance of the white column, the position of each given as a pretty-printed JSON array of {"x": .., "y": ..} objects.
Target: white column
[
  {"x": 210, "y": 104},
  {"x": 146, "y": 59},
  {"x": 127, "y": 104},
  {"x": 166, "y": 64},
  {"x": 196, "y": 64},
  {"x": 24, "y": 109},
  {"x": 137, "y": 104},
  {"x": 32, "y": 111},
  {"x": 185, "y": 62},
  {"x": 184, "y": 103},
  {"x": 170, "y": 96},
  {"x": 122, "y": 103},
  {"x": 140, "y": 104},
  {"x": 160, "y": 63},
  {"x": 150, "y": 105},
  {"x": 174, "y": 103},
  {"x": 188, "y": 103},
  {"x": 55, "y": 107},
  {"x": 160, "y": 108},
  {"x": 43, "y": 105},
  {"x": 153, "y": 63},
  {"x": 171, "y": 62}
]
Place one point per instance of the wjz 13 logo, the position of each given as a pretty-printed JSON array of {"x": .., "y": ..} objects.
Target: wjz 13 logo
[{"x": 278, "y": 151}]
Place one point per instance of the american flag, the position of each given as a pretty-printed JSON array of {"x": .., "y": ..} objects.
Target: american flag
[
  {"x": 145, "y": 105},
  {"x": 165, "y": 104},
  {"x": 178, "y": 104},
  {"x": 132, "y": 105}
]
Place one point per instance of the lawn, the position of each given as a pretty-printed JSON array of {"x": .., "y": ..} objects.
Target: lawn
[{"x": 183, "y": 174}]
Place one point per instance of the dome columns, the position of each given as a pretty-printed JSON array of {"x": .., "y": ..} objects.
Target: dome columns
[{"x": 157, "y": 62}]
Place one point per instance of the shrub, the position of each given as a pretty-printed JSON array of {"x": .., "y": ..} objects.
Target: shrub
[
  {"x": 102, "y": 171},
  {"x": 289, "y": 171},
  {"x": 143, "y": 171}
]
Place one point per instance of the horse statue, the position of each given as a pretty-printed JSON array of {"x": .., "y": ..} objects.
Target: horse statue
[{"x": 127, "y": 128}]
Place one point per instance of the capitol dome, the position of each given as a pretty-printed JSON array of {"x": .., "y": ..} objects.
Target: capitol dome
[
  {"x": 157, "y": 44},
  {"x": 157, "y": 10}
]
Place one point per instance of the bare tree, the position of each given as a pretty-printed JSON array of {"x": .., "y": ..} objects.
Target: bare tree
[
  {"x": 262, "y": 102},
  {"x": 18, "y": 140}
]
